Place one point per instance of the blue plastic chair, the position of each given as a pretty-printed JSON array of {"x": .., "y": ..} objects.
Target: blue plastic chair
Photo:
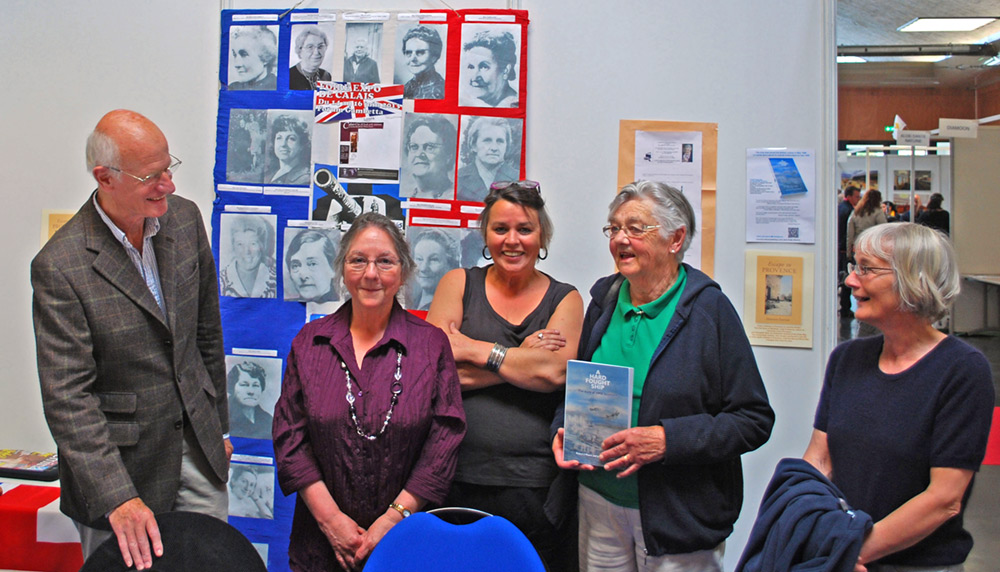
[{"x": 425, "y": 542}]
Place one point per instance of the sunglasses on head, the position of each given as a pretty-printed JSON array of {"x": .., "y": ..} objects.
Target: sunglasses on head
[{"x": 526, "y": 185}]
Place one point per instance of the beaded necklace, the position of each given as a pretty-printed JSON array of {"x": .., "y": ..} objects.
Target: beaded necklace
[{"x": 396, "y": 389}]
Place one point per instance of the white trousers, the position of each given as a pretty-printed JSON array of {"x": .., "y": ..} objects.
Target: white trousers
[
  {"x": 200, "y": 491},
  {"x": 611, "y": 539}
]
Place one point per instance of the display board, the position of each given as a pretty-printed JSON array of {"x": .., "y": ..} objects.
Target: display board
[{"x": 324, "y": 115}]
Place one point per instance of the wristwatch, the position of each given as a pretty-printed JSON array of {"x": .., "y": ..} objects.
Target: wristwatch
[{"x": 400, "y": 509}]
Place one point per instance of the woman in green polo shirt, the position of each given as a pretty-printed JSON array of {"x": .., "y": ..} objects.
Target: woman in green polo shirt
[{"x": 671, "y": 486}]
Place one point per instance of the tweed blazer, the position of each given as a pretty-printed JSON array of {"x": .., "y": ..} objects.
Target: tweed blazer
[{"x": 119, "y": 379}]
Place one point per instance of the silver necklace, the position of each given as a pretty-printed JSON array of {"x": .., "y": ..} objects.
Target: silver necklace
[{"x": 396, "y": 389}]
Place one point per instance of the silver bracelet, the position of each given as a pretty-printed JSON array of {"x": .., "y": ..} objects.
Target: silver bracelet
[{"x": 496, "y": 357}]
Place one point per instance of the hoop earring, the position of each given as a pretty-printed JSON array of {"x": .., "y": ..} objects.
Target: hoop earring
[
  {"x": 486, "y": 253},
  {"x": 540, "y": 257}
]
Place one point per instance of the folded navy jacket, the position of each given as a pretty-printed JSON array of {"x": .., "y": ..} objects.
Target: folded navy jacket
[{"x": 804, "y": 525}]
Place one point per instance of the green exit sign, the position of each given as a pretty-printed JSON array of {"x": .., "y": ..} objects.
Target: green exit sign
[{"x": 888, "y": 128}]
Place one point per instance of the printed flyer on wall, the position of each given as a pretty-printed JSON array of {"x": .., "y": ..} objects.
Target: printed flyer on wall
[
  {"x": 598, "y": 405},
  {"x": 674, "y": 158},
  {"x": 781, "y": 195},
  {"x": 778, "y": 304}
]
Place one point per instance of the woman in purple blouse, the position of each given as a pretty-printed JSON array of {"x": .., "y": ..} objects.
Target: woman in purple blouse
[{"x": 370, "y": 416}]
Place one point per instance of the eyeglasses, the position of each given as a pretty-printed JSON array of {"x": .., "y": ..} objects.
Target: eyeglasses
[
  {"x": 314, "y": 47},
  {"x": 429, "y": 148},
  {"x": 154, "y": 176},
  {"x": 524, "y": 185},
  {"x": 382, "y": 263},
  {"x": 861, "y": 270},
  {"x": 631, "y": 231}
]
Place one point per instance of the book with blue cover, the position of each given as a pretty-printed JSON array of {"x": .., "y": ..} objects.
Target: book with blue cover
[
  {"x": 598, "y": 405},
  {"x": 786, "y": 174}
]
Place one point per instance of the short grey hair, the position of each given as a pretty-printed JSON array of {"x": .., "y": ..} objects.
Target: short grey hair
[
  {"x": 671, "y": 208},
  {"x": 310, "y": 30},
  {"x": 923, "y": 262},
  {"x": 384, "y": 223},
  {"x": 102, "y": 150}
]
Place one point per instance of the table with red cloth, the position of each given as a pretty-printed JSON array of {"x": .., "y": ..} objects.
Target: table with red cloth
[{"x": 34, "y": 535}]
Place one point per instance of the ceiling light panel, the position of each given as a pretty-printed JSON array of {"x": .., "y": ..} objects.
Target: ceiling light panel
[{"x": 944, "y": 24}]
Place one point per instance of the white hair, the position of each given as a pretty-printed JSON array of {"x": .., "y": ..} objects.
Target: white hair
[{"x": 102, "y": 150}]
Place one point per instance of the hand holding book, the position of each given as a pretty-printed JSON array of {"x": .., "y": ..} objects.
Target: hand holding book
[{"x": 632, "y": 448}]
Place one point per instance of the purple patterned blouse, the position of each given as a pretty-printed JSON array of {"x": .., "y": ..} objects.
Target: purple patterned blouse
[{"x": 316, "y": 440}]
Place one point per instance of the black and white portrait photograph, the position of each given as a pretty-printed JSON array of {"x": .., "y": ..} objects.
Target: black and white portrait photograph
[
  {"x": 247, "y": 146},
  {"x": 253, "y": 384},
  {"x": 246, "y": 255},
  {"x": 309, "y": 55},
  {"x": 362, "y": 46},
  {"x": 427, "y": 161},
  {"x": 435, "y": 251},
  {"x": 289, "y": 146},
  {"x": 490, "y": 152},
  {"x": 489, "y": 65},
  {"x": 420, "y": 60},
  {"x": 251, "y": 491},
  {"x": 253, "y": 58},
  {"x": 309, "y": 265}
]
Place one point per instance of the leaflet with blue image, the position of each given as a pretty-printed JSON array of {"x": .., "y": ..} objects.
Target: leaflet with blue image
[{"x": 787, "y": 176}]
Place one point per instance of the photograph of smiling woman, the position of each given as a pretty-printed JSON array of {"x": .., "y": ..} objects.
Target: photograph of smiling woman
[
  {"x": 306, "y": 55},
  {"x": 435, "y": 252},
  {"x": 289, "y": 146},
  {"x": 489, "y": 64},
  {"x": 251, "y": 491},
  {"x": 246, "y": 256}
]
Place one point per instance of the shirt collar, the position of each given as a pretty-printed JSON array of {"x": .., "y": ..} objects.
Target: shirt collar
[
  {"x": 311, "y": 76},
  {"x": 150, "y": 227},
  {"x": 651, "y": 309},
  {"x": 338, "y": 330}
]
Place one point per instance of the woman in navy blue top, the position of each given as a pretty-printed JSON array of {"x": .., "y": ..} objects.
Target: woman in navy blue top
[{"x": 904, "y": 416}]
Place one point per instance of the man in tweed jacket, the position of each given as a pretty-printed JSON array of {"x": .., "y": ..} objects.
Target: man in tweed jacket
[{"x": 129, "y": 347}]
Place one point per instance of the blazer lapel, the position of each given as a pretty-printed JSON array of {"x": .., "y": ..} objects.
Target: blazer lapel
[
  {"x": 114, "y": 265},
  {"x": 163, "y": 244}
]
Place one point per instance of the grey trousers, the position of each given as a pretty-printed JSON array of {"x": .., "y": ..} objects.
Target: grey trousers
[{"x": 200, "y": 491}]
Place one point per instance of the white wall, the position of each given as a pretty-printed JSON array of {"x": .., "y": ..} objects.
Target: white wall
[{"x": 762, "y": 70}]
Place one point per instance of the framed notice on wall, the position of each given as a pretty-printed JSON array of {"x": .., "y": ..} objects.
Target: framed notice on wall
[
  {"x": 778, "y": 303},
  {"x": 683, "y": 155}
]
